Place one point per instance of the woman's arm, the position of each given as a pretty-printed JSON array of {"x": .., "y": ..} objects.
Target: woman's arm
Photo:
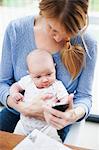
[
  {"x": 6, "y": 68},
  {"x": 7, "y": 79},
  {"x": 35, "y": 109},
  {"x": 82, "y": 98},
  {"x": 83, "y": 94},
  {"x": 60, "y": 119}
]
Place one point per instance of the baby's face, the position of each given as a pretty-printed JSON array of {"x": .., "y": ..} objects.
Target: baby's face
[{"x": 43, "y": 75}]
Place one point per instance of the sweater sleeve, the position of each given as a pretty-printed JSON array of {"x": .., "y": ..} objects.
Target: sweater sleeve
[
  {"x": 6, "y": 67},
  {"x": 83, "y": 94}
]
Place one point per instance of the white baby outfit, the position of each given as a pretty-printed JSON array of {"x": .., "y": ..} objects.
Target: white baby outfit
[{"x": 26, "y": 124}]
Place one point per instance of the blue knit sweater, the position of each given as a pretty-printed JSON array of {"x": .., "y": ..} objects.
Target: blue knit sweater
[{"x": 19, "y": 40}]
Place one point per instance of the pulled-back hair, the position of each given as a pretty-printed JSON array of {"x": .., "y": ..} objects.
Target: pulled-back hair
[{"x": 73, "y": 15}]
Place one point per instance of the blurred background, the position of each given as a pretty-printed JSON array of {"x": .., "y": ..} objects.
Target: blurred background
[{"x": 12, "y": 9}]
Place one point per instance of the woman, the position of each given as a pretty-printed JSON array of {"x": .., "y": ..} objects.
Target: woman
[{"x": 58, "y": 29}]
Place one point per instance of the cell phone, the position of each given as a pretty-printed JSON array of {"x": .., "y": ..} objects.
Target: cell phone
[{"x": 61, "y": 107}]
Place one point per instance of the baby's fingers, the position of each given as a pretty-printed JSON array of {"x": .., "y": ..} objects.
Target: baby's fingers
[
  {"x": 47, "y": 96},
  {"x": 18, "y": 97}
]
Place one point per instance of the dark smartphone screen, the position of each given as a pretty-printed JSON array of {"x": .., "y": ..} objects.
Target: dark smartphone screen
[{"x": 61, "y": 107}]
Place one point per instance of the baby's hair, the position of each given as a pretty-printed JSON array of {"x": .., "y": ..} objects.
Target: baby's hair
[
  {"x": 43, "y": 55},
  {"x": 38, "y": 52}
]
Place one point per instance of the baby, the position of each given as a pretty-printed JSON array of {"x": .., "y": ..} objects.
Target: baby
[{"x": 41, "y": 80}]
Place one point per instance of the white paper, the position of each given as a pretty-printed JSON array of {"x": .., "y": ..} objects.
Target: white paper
[{"x": 39, "y": 141}]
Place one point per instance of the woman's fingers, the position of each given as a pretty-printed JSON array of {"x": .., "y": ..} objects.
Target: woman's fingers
[
  {"x": 54, "y": 121},
  {"x": 70, "y": 101},
  {"x": 55, "y": 117},
  {"x": 60, "y": 119},
  {"x": 53, "y": 111},
  {"x": 56, "y": 126},
  {"x": 60, "y": 122}
]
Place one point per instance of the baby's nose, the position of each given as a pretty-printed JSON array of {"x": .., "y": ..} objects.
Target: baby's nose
[{"x": 45, "y": 79}]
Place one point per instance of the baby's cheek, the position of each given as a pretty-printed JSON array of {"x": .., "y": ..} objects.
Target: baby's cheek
[{"x": 38, "y": 84}]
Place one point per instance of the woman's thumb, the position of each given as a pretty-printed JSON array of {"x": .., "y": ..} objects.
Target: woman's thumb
[{"x": 70, "y": 101}]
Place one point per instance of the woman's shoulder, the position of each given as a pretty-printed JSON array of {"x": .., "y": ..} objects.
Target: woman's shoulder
[
  {"x": 90, "y": 44},
  {"x": 87, "y": 41},
  {"x": 20, "y": 24}
]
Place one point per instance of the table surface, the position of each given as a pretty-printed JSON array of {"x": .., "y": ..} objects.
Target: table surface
[{"x": 8, "y": 141}]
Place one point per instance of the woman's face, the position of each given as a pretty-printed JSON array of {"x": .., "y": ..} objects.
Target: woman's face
[{"x": 56, "y": 30}]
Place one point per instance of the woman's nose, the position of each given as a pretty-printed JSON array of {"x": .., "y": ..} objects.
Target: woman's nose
[{"x": 57, "y": 38}]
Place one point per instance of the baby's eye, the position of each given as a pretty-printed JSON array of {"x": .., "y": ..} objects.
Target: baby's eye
[
  {"x": 38, "y": 77},
  {"x": 49, "y": 74}
]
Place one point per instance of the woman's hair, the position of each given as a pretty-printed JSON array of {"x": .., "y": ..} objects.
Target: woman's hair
[{"x": 73, "y": 15}]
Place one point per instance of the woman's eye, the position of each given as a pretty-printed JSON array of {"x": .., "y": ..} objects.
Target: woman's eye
[{"x": 54, "y": 31}]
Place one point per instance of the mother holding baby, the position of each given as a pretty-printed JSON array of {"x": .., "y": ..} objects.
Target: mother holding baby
[{"x": 60, "y": 30}]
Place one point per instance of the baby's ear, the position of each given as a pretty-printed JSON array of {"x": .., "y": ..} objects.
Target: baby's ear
[{"x": 54, "y": 64}]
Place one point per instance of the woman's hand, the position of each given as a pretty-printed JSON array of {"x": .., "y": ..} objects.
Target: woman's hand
[
  {"x": 60, "y": 119},
  {"x": 35, "y": 109}
]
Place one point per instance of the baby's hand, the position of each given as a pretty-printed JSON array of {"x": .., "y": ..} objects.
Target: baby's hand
[
  {"x": 51, "y": 101},
  {"x": 17, "y": 97}
]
